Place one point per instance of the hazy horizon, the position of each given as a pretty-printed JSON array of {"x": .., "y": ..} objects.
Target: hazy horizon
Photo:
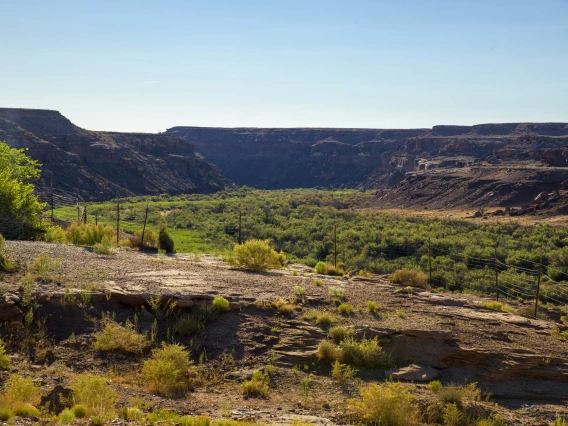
[{"x": 145, "y": 67}]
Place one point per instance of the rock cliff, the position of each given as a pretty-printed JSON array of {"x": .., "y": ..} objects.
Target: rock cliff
[
  {"x": 104, "y": 165},
  {"x": 393, "y": 160}
]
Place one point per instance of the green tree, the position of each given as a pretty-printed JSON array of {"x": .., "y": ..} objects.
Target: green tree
[{"x": 19, "y": 205}]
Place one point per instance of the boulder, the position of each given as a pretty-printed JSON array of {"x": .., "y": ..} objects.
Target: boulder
[
  {"x": 414, "y": 373},
  {"x": 9, "y": 310}
]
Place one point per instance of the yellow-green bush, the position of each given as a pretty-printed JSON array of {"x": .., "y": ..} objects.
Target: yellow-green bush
[
  {"x": 80, "y": 411},
  {"x": 367, "y": 353},
  {"x": 328, "y": 269},
  {"x": 95, "y": 394},
  {"x": 106, "y": 246},
  {"x": 257, "y": 385},
  {"x": 409, "y": 277},
  {"x": 329, "y": 351},
  {"x": 89, "y": 234},
  {"x": 387, "y": 404},
  {"x": 256, "y": 255},
  {"x": 118, "y": 338},
  {"x": 6, "y": 263},
  {"x": 5, "y": 360},
  {"x": 342, "y": 372},
  {"x": 339, "y": 333},
  {"x": 150, "y": 238},
  {"x": 21, "y": 390},
  {"x": 167, "y": 371},
  {"x": 220, "y": 303},
  {"x": 55, "y": 234}
]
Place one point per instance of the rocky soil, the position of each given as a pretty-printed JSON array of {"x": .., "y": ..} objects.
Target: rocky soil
[{"x": 522, "y": 362}]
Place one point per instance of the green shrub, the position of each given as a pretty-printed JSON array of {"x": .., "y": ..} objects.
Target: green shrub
[
  {"x": 186, "y": 325},
  {"x": 366, "y": 353},
  {"x": 342, "y": 372},
  {"x": 95, "y": 394},
  {"x": 257, "y": 385},
  {"x": 5, "y": 414},
  {"x": 285, "y": 308},
  {"x": 329, "y": 351},
  {"x": 323, "y": 268},
  {"x": 451, "y": 395},
  {"x": 339, "y": 333},
  {"x": 337, "y": 292},
  {"x": 371, "y": 306},
  {"x": 66, "y": 416},
  {"x": 89, "y": 234},
  {"x": 221, "y": 304},
  {"x": 256, "y": 255},
  {"x": 409, "y": 277},
  {"x": 21, "y": 390},
  {"x": 97, "y": 421},
  {"x": 320, "y": 268},
  {"x": 496, "y": 420},
  {"x": 163, "y": 416},
  {"x": 80, "y": 411},
  {"x": 387, "y": 404},
  {"x": 104, "y": 247},
  {"x": 325, "y": 319},
  {"x": 435, "y": 385},
  {"x": 167, "y": 371},
  {"x": 22, "y": 409},
  {"x": 6, "y": 263},
  {"x": 318, "y": 282},
  {"x": 44, "y": 266},
  {"x": 345, "y": 308},
  {"x": 150, "y": 239},
  {"x": 5, "y": 360},
  {"x": 201, "y": 421},
  {"x": 55, "y": 234},
  {"x": 498, "y": 307},
  {"x": 130, "y": 413},
  {"x": 117, "y": 338},
  {"x": 165, "y": 242},
  {"x": 452, "y": 415}
]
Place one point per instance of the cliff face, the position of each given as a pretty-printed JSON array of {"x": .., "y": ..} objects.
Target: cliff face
[
  {"x": 104, "y": 165},
  {"x": 287, "y": 158}
]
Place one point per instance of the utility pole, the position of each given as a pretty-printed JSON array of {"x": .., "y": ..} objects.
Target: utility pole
[
  {"x": 117, "y": 220},
  {"x": 240, "y": 225},
  {"x": 96, "y": 219},
  {"x": 496, "y": 273},
  {"x": 538, "y": 286},
  {"x": 430, "y": 261},
  {"x": 335, "y": 246},
  {"x": 144, "y": 228},
  {"x": 52, "y": 202}
]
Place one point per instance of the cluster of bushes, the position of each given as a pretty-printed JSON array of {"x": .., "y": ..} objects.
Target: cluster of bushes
[
  {"x": 364, "y": 353},
  {"x": 300, "y": 223}
]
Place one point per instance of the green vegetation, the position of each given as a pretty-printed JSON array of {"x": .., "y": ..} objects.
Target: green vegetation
[
  {"x": 342, "y": 372},
  {"x": 220, "y": 304},
  {"x": 167, "y": 371},
  {"x": 94, "y": 393},
  {"x": 300, "y": 223},
  {"x": 387, "y": 404},
  {"x": 339, "y": 333},
  {"x": 5, "y": 360},
  {"x": 257, "y": 385},
  {"x": 371, "y": 306},
  {"x": 409, "y": 277},
  {"x": 117, "y": 338},
  {"x": 345, "y": 308},
  {"x": 165, "y": 242},
  {"x": 6, "y": 264},
  {"x": 498, "y": 307},
  {"x": 19, "y": 206},
  {"x": 256, "y": 255}
]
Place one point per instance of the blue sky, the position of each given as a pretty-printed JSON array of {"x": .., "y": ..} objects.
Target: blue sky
[{"x": 146, "y": 66}]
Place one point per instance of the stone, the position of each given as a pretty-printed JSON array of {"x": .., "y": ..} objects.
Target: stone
[
  {"x": 9, "y": 311},
  {"x": 414, "y": 373}
]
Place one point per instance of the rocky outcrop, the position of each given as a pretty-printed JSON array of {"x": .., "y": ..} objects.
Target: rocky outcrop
[
  {"x": 105, "y": 165},
  {"x": 373, "y": 158}
]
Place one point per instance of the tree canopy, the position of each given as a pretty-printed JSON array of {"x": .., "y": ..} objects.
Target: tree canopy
[{"x": 19, "y": 205}]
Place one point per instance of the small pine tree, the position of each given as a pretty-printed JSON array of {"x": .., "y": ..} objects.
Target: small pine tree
[{"x": 165, "y": 242}]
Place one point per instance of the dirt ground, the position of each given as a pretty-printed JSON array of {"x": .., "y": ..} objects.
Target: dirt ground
[{"x": 521, "y": 362}]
